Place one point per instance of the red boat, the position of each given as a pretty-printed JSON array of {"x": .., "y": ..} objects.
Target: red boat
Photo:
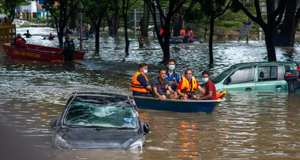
[{"x": 38, "y": 53}]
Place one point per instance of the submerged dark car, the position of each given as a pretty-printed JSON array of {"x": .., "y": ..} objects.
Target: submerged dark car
[{"x": 99, "y": 121}]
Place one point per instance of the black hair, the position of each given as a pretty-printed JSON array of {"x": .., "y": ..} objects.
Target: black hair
[
  {"x": 171, "y": 60},
  {"x": 205, "y": 72},
  {"x": 188, "y": 70},
  {"x": 142, "y": 65},
  {"x": 162, "y": 69}
]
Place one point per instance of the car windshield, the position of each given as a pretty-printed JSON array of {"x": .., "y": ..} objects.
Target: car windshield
[
  {"x": 97, "y": 115},
  {"x": 221, "y": 76}
]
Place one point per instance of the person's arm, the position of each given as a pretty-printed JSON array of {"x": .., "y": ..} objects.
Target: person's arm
[
  {"x": 179, "y": 90},
  {"x": 171, "y": 90},
  {"x": 144, "y": 82},
  {"x": 156, "y": 93},
  {"x": 207, "y": 96},
  {"x": 201, "y": 89}
]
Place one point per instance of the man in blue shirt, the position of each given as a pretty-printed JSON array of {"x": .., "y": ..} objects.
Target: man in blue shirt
[{"x": 173, "y": 77}]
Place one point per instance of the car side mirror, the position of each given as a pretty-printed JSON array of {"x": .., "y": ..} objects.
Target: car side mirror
[
  {"x": 261, "y": 75},
  {"x": 146, "y": 128},
  {"x": 53, "y": 123}
]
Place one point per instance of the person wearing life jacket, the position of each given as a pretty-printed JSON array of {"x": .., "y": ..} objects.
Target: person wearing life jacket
[
  {"x": 139, "y": 84},
  {"x": 188, "y": 85},
  {"x": 19, "y": 41},
  {"x": 51, "y": 36},
  {"x": 182, "y": 32},
  {"x": 190, "y": 33},
  {"x": 210, "y": 89},
  {"x": 161, "y": 32}
]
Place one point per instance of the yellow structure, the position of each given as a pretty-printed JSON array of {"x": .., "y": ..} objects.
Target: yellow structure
[{"x": 7, "y": 31}]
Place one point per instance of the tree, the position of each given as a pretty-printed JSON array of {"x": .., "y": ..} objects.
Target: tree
[
  {"x": 10, "y": 6},
  {"x": 144, "y": 23},
  {"x": 96, "y": 10},
  {"x": 61, "y": 14},
  {"x": 285, "y": 33},
  {"x": 213, "y": 9},
  {"x": 181, "y": 18},
  {"x": 125, "y": 8},
  {"x": 113, "y": 22},
  {"x": 174, "y": 6},
  {"x": 268, "y": 27}
]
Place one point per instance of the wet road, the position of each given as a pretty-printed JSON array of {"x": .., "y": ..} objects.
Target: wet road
[{"x": 248, "y": 125}]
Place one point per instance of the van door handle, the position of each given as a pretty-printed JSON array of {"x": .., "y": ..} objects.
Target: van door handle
[
  {"x": 248, "y": 89},
  {"x": 278, "y": 87}
]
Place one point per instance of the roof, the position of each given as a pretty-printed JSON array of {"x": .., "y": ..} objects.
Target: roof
[
  {"x": 262, "y": 63},
  {"x": 101, "y": 98}
]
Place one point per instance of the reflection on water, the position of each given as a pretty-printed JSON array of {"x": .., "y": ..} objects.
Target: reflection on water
[{"x": 248, "y": 125}]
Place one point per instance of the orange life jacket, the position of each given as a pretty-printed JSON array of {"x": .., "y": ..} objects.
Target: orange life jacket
[
  {"x": 182, "y": 32},
  {"x": 185, "y": 87},
  {"x": 220, "y": 95},
  {"x": 191, "y": 33},
  {"x": 161, "y": 32},
  {"x": 136, "y": 85}
]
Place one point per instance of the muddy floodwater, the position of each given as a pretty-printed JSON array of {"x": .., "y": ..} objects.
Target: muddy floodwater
[{"x": 248, "y": 125}]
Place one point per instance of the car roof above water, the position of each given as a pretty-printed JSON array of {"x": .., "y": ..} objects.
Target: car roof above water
[
  {"x": 263, "y": 63},
  {"x": 100, "y": 98}
]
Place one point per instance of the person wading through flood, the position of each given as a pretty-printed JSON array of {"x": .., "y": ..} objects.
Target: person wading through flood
[
  {"x": 210, "y": 89},
  {"x": 161, "y": 87},
  {"x": 139, "y": 84},
  {"x": 69, "y": 49},
  {"x": 188, "y": 85}
]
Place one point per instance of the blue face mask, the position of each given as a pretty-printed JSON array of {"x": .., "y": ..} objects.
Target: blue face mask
[
  {"x": 172, "y": 67},
  {"x": 145, "y": 71},
  {"x": 204, "y": 80},
  {"x": 189, "y": 76}
]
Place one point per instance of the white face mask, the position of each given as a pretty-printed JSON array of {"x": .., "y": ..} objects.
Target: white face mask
[
  {"x": 145, "y": 71},
  {"x": 204, "y": 80}
]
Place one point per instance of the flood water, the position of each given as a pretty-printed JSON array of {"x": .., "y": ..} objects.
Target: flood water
[{"x": 248, "y": 125}]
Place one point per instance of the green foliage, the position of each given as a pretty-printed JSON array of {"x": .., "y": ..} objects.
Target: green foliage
[
  {"x": 43, "y": 20},
  {"x": 33, "y": 20}
]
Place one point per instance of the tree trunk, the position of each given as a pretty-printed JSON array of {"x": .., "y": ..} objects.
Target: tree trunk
[
  {"x": 126, "y": 35},
  {"x": 178, "y": 22},
  {"x": 113, "y": 23},
  {"x": 73, "y": 18},
  {"x": 211, "y": 34},
  {"x": 144, "y": 23},
  {"x": 166, "y": 44},
  {"x": 97, "y": 43},
  {"x": 269, "y": 43},
  {"x": 60, "y": 35},
  {"x": 288, "y": 28}
]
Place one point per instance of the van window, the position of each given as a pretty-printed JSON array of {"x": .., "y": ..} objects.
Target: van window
[
  {"x": 242, "y": 75},
  {"x": 286, "y": 67},
  {"x": 267, "y": 73}
]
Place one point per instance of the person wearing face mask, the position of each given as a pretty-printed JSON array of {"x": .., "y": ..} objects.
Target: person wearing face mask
[
  {"x": 173, "y": 77},
  {"x": 161, "y": 87},
  {"x": 188, "y": 85},
  {"x": 139, "y": 84},
  {"x": 210, "y": 89}
]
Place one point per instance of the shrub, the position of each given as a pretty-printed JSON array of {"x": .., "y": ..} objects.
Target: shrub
[{"x": 33, "y": 20}]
